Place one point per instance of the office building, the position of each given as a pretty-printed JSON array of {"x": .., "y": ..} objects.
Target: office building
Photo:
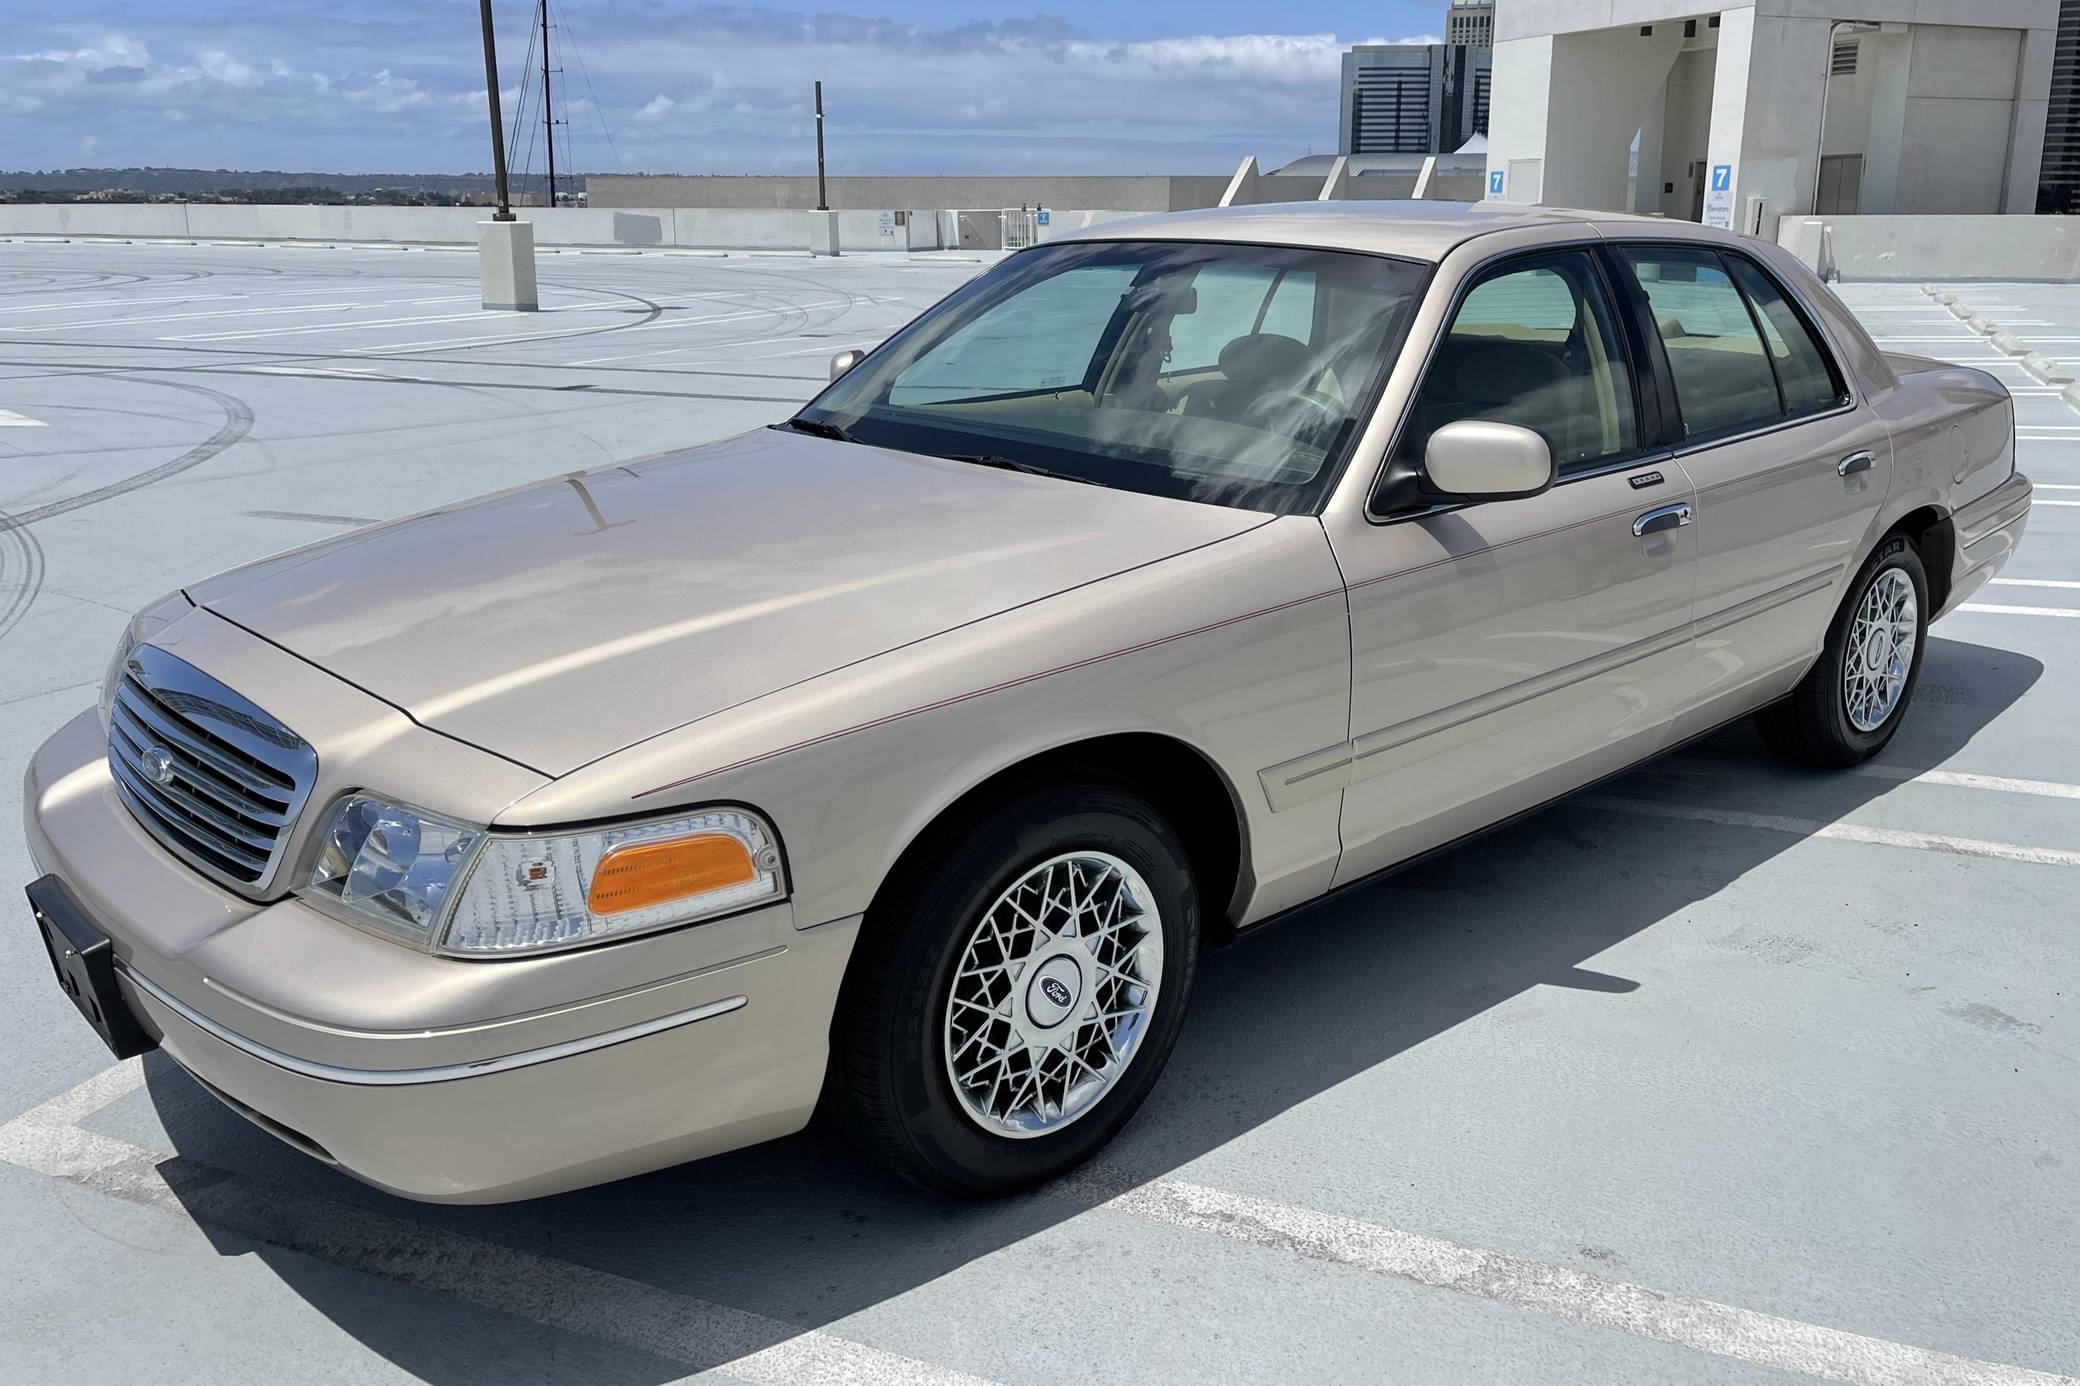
[
  {"x": 1401, "y": 98},
  {"x": 1470, "y": 23}
]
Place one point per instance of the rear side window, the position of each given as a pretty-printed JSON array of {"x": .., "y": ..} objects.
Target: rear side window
[
  {"x": 1723, "y": 377},
  {"x": 1802, "y": 370},
  {"x": 1742, "y": 357}
]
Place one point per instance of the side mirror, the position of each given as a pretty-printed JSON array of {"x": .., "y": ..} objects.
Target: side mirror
[
  {"x": 845, "y": 361},
  {"x": 1478, "y": 459}
]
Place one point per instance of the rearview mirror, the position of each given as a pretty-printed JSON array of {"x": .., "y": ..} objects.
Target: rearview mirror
[
  {"x": 845, "y": 361},
  {"x": 1479, "y": 459}
]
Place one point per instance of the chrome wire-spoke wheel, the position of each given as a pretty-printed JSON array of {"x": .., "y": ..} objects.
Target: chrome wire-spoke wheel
[
  {"x": 1880, "y": 652},
  {"x": 1054, "y": 994}
]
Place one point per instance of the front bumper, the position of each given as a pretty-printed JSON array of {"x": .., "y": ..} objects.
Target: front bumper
[{"x": 438, "y": 1078}]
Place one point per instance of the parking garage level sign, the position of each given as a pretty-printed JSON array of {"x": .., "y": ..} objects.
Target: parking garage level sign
[
  {"x": 1718, "y": 198},
  {"x": 1495, "y": 185}
]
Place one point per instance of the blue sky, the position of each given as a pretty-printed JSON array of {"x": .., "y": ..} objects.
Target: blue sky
[{"x": 1097, "y": 86}]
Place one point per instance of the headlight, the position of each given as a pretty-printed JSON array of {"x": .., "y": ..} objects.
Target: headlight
[
  {"x": 390, "y": 865},
  {"x": 113, "y": 679},
  {"x": 460, "y": 889}
]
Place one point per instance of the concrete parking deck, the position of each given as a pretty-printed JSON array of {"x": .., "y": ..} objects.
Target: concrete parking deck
[{"x": 1726, "y": 1072}]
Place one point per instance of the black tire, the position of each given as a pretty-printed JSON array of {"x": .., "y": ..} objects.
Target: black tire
[
  {"x": 1812, "y": 724},
  {"x": 888, "y": 1077}
]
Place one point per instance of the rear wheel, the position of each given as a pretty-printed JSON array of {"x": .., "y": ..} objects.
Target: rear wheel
[
  {"x": 1015, "y": 995},
  {"x": 1852, "y": 700}
]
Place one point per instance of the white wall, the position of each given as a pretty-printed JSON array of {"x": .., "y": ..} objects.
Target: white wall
[
  {"x": 634, "y": 227},
  {"x": 1687, "y": 132},
  {"x": 1918, "y": 248}
]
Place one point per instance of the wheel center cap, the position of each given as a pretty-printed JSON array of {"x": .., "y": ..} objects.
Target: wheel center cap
[
  {"x": 1877, "y": 651},
  {"x": 1052, "y": 995}
]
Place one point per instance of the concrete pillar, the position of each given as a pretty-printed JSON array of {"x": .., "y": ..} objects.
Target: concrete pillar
[
  {"x": 505, "y": 264},
  {"x": 1337, "y": 184},
  {"x": 1575, "y": 102},
  {"x": 1242, "y": 188},
  {"x": 2032, "y": 108},
  {"x": 823, "y": 233},
  {"x": 1424, "y": 177}
]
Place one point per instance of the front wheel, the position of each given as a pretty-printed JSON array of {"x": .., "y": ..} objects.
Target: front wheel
[
  {"x": 1016, "y": 995},
  {"x": 1852, "y": 700}
]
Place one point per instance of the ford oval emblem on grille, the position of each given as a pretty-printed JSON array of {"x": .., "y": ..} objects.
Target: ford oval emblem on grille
[{"x": 158, "y": 764}]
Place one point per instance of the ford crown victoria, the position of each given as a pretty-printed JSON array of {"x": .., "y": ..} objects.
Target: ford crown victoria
[{"x": 899, "y": 760}]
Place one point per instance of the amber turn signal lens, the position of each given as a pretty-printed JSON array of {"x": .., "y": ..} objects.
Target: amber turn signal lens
[{"x": 640, "y": 874}]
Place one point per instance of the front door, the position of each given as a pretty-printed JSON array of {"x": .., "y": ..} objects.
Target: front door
[{"x": 1507, "y": 652}]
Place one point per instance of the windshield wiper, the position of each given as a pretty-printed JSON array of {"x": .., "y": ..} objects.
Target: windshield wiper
[
  {"x": 819, "y": 429},
  {"x": 1012, "y": 464}
]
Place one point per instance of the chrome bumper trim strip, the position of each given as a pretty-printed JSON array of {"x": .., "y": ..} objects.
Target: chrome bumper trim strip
[{"x": 443, "y": 1073}]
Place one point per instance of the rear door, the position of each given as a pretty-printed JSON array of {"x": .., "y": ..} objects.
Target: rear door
[{"x": 1790, "y": 467}]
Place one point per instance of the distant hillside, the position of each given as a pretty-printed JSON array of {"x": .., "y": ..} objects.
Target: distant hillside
[{"x": 207, "y": 182}]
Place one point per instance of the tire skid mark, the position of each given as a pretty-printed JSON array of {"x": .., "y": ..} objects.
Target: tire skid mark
[
  {"x": 21, "y": 571},
  {"x": 238, "y": 422}
]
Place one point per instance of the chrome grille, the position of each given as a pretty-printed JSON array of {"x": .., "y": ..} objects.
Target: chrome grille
[{"x": 212, "y": 776}]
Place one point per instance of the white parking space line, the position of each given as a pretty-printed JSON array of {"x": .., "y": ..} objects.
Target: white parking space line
[
  {"x": 1708, "y": 1326},
  {"x": 451, "y": 343},
  {"x": 558, "y": 1294},
  {"x": 179, "y": 317},
  {"x": 2036, "y": 582},
  {"x": 1963, "y": 779},
  {"x": 1841, "y": 832},
  {"x": 353, "y": 325},
  {"x": 10, "y": 419},
  {"x": 1990, "y": 609},
  {"x": 126, "y": 302},
  {"x": 750, "y": 1347}
]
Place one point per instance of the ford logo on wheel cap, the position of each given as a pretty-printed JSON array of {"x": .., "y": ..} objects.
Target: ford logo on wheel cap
[
  {"x": 158, "y": 764},
  {"x": 1055, "y": 990}
]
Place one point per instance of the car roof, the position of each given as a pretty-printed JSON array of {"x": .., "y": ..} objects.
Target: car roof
[{"x": 1415, "y": 230}]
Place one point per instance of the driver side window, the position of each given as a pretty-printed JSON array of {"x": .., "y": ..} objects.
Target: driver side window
[{"x": 1536, "y": 344}]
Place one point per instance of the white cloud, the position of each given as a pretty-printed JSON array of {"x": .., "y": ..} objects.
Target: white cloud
[
  {"x": 398, "y": 85},
  {"x": 216, "y": 63},
  {"x": 113, "y": 50}
]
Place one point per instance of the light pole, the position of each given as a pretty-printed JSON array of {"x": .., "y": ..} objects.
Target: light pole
[
  {"x": 498, "y": 134},
  {"x": 823, "y": 202},
  {"x": 505, "y": 244},
  {"x": 823, "y": 227}
]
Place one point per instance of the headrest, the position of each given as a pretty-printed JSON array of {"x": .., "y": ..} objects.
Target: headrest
[
  {"x": 1265, "y": 356},
  {"x": 1671, "y": 327},
  {"x": 1499, "y": 375}
]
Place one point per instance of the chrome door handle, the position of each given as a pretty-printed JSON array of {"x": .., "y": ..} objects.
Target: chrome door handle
[
  {"x": 1855, "y": 462},
  {"x": 1667, "y": 517}
]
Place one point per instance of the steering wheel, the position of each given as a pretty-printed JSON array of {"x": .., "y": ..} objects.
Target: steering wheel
[{"x": 1296, "y": 413}]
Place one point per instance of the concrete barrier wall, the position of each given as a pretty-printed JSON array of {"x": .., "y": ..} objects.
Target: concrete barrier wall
[
  {"x": 1936, "y": 247},
  {"x": 715, "y": 228}
]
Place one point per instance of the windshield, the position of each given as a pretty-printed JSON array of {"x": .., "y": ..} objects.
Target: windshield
[{"x": 1232, "y": 374}]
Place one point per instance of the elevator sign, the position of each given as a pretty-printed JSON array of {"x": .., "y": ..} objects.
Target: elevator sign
[{"x": 1718, "y": 198}]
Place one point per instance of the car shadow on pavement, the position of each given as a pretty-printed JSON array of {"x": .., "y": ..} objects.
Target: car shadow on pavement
[{"x": 801, "y": 1233}]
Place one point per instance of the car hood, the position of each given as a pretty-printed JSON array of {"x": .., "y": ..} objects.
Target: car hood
[{"x": 562, "y": 621}]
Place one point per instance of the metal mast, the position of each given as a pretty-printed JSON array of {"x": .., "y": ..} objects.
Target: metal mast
[
  {"x": 548, "y": 110},
  {"x": 823, "y": 201},
  {"x": 498, "y": 134}
]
